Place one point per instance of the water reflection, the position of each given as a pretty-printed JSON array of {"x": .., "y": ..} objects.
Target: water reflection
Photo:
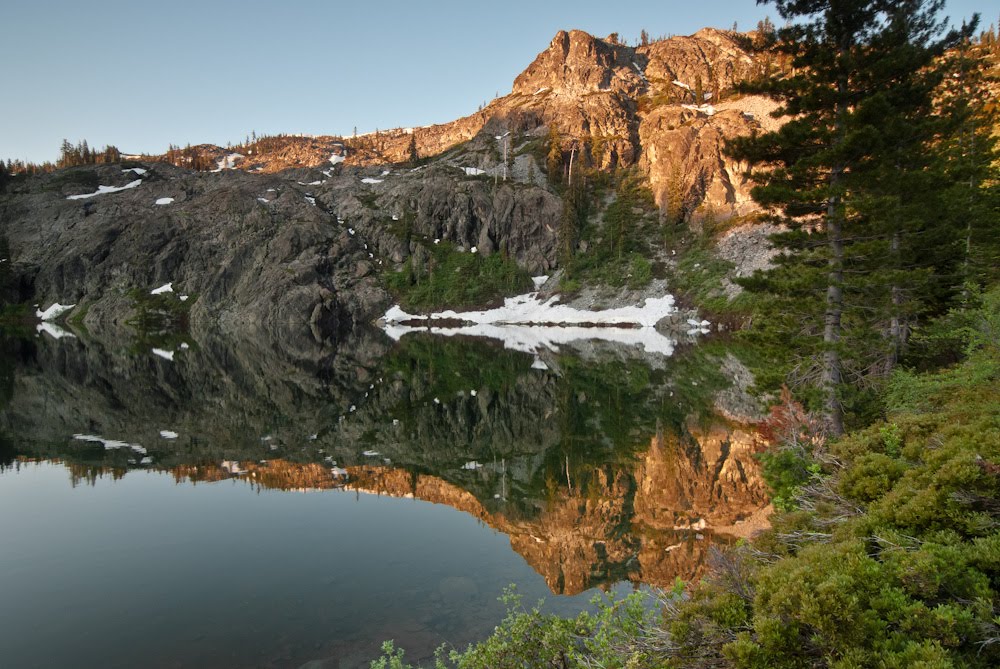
[{"x": 600, "y": 466}]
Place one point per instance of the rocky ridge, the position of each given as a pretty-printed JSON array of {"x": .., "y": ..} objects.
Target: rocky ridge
[{"x": 631, "y": 105}]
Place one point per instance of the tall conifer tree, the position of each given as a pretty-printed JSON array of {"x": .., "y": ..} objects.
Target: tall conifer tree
[{"x": 837, "y": 173}]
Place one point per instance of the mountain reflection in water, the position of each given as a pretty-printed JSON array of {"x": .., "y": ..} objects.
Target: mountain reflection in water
[{"x": 601, "y": 466}]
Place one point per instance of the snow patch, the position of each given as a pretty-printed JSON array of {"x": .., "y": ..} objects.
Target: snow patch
[
  {"x": 136, "y": 170},
  {"x": 538, "y": 363},
  {"x": 168, "y": 434},
  {"x": 165, "y": 200},
  {"x": 334, "y": 159},
  {"x": 311, "y": 200},
  {"x": 166, "y": 355},
  {"x": 642, "y": 75},
  {"x": 541, "y": 90},
  {"x": 110, "y": 444},
  {"x": 539, "y": 281},
  {"x": 53, "y": 312},
  {"x": 165, "y": 288},
  {"x": 525, "y": 323},
  {"x": 533, "y": 338},
  {"x": 527, "y": 309},
  {"x": 104, "y": 190},
  {"x": 473, "y": 171},
  {"x": 370, "y": 180},
  {"x": 680, "y": 84}
]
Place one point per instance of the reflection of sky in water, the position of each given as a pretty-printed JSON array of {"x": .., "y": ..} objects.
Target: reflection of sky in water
[{"x": 147, "y": 572}]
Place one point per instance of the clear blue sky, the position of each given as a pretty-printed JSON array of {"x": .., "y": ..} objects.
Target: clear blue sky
[{"x": 142, "y": 74}]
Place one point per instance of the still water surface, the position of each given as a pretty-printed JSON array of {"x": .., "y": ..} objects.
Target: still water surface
[{"x": 255, "y": 504}]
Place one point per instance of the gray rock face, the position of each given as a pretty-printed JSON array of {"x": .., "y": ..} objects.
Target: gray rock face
[
  {"x": 249, "y": 251},
  {"x": 408, "y": 209},
  {"x": 749, "y": 248},
  {"x": 274, "y": 252}
]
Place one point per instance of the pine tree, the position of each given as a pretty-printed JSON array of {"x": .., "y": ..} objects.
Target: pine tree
[
  {"x": 839, "y": 169},
  {"x": 675, "y": 197},
  {"x": 65, "y": 154},
  {"x": 971, "y": 156},
  {"x": 412, "y": 156},
  {"x": 554, "y": 157}
]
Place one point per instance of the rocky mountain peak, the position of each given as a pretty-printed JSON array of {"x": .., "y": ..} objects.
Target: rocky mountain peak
[
  {"x": 718, "y": 58},
  {"x": 577, "y": 63}
]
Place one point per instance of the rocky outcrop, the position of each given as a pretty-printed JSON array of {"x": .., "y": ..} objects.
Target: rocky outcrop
[
  {"x": 577, "y": 63},
  {"x": 247, "y": 251},
  {"x": 304, "y": 250},
  {"x": 400, "y": 211},
  {"x": 683, "y": 156},
  {"x": 718, "y": 58},
  {"x": 618, "y": 104}
]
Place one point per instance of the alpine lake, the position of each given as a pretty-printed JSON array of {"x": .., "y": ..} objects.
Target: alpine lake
[{"x": 255, "y": 500}]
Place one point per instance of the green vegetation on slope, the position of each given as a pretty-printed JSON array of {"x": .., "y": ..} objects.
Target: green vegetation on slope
[
  {"x": 616, "y": 250},
  {"x": 889, "y": 553},
  {"x": 444, "y": 277}
]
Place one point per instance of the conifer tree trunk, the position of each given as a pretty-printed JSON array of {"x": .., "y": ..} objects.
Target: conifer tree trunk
[
  {"x": 834, "y": 311},
  {"x": 832, "y": 321},
  {"x": 896, "y": 334}
]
